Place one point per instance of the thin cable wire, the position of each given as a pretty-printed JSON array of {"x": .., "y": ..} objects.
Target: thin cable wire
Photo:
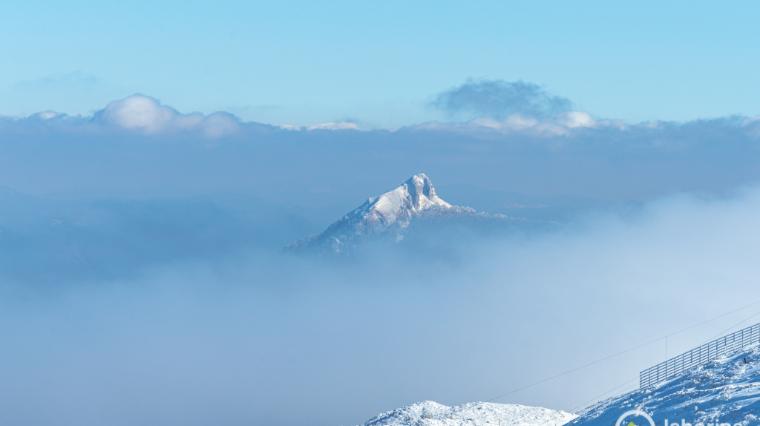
[
  {"x": 724, "y": 332},
  {"x": 620, "y": 353},
  {"x": 602, "y": 395},
  {"x": 629, "y": 382}
]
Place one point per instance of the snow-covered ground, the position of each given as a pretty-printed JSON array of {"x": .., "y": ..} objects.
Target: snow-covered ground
[
  {"x": 725, "y": 391},
  {"x": 430, "y": 413}
]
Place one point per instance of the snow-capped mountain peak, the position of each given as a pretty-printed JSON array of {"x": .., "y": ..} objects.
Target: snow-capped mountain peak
[
  {"x": 431, "y": 413},
  {"x": 389, "y": 213},
  {"x": 416, "y": 195}
]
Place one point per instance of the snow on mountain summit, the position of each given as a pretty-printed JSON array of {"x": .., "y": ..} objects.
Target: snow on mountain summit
[
  {"x": 416, "y": 194},
  {"x": 431, "y": 413},
  {"x": 387, "y": 214},
  {"x": 412, "y": 198}
]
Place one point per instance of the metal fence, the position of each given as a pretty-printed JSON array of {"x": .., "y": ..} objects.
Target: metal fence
[{"x": 725, "y": 345}]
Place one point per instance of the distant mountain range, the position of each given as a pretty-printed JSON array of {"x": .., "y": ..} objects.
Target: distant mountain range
[{"x": 389, "y": 216}]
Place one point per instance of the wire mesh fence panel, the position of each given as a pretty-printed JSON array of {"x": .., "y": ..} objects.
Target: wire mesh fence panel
[{"x": 701, "y": 355}]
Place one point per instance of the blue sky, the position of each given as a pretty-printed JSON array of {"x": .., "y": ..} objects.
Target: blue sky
[{"x": 378, "y": 63}]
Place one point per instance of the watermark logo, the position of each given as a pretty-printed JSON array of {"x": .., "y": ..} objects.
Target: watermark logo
[
  {"x": 636, "y": 417},
  {"x": 639, "y": 417}
]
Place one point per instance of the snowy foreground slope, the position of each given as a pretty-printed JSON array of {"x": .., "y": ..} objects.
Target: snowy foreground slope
[
  {"x": 430, "y": 413},
  {"x": 388, "y": 215},
  {"x": 725, "y": 391}
]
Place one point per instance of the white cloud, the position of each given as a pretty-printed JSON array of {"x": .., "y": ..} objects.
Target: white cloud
[
  {"x": 145, "y": 114},
  {"x": 513, "y": 107},
  {"x": 499, "y": 99},
  {"x": 334, "y": 125},
  {"x": 46, "y": 115},
  {"x": 576, "y": 119},
  {"x": 220, "y": 124},
  {"x": 138, "y": 112},
  {"x": 518, "y": 123},
  {"x": 329, "y": 125}
]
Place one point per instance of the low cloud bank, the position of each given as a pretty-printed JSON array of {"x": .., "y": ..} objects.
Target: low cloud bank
[
  {"x": 476, "y": 108},
  {"x": 510, "y": 107},
  {"x": 272, "y": 339}
]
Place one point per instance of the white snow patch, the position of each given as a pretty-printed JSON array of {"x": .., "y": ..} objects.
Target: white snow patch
[
  {"x": 431, "y": 413},
  {"x": 726, "y": 390}
]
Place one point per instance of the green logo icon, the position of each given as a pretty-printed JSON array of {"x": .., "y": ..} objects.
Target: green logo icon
[{"x": 638, "y": 413}]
